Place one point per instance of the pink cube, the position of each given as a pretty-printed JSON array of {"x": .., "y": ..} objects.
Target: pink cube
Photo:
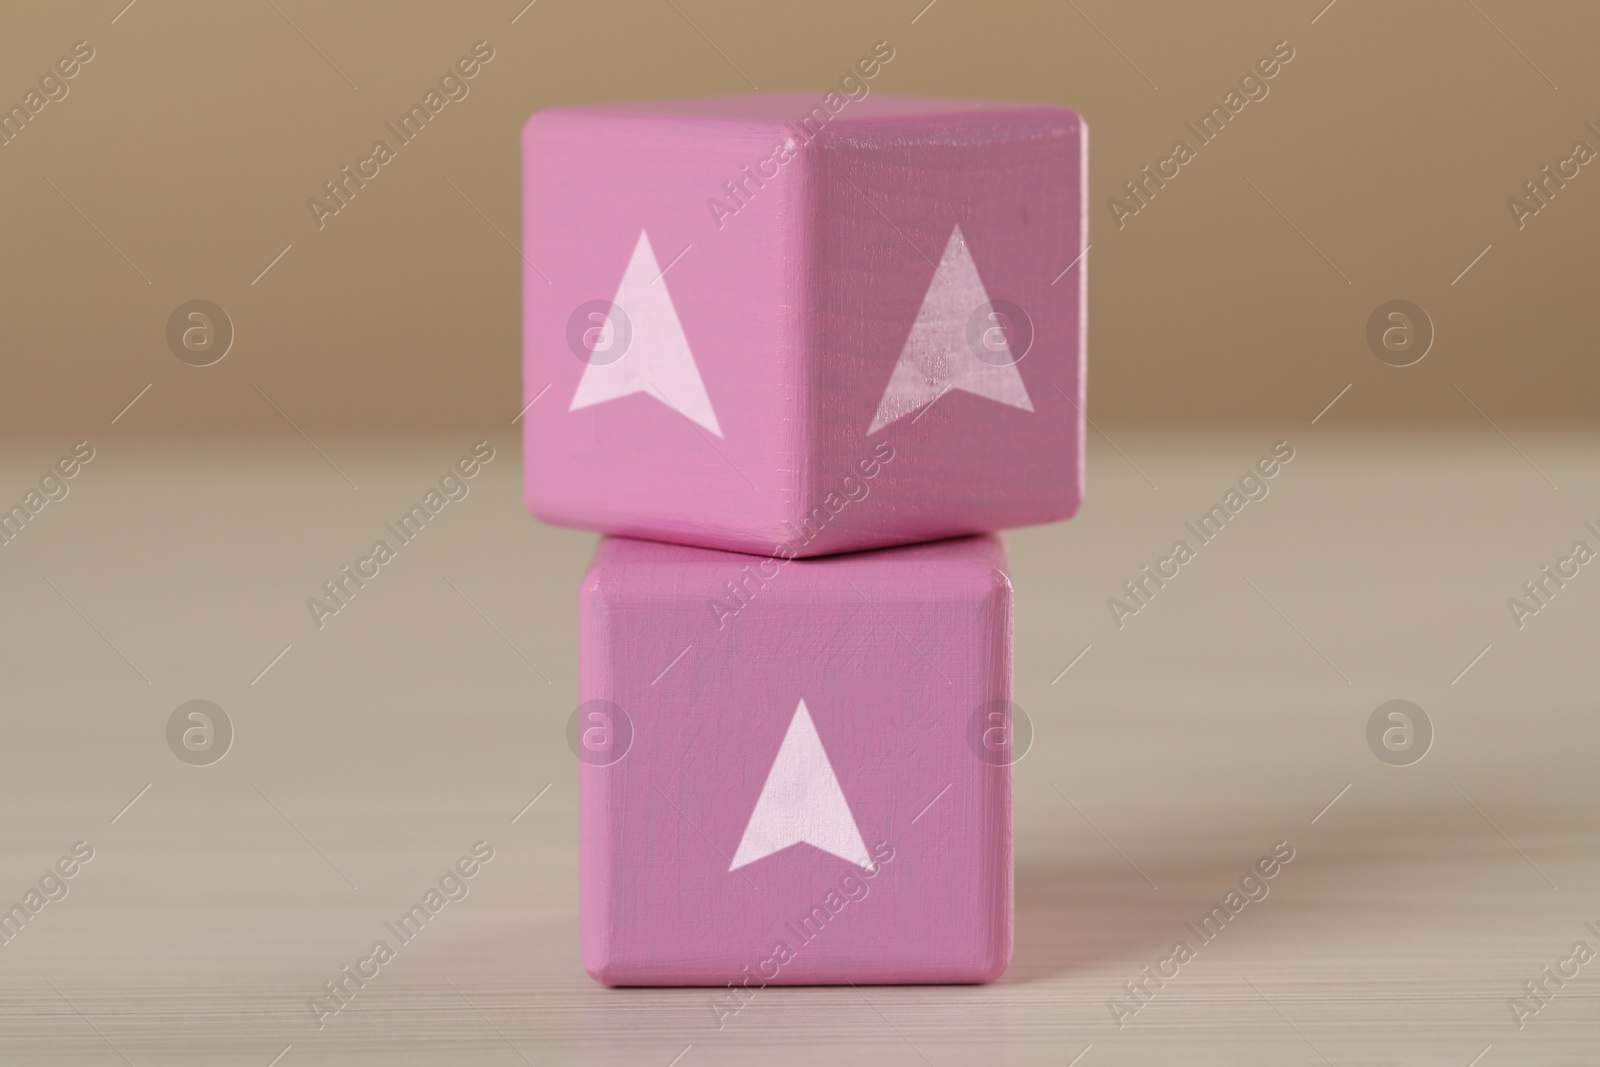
[
  {"x": 795, "y": 771},
  {"x": 780, "y": 323}
]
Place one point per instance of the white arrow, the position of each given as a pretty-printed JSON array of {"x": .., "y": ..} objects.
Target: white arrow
[
  {"x": 658, "y": 360},
  {"x": 801, "y": 802},
  {"x": 937, "y": 358}
]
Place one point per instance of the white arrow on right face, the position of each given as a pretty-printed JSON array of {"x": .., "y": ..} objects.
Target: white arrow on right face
[{"x": 936, "y": 357}]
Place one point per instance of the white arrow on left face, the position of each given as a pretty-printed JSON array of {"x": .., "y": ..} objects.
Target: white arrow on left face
[
  {"x": 801, "y": 802},
  {"x": 659, "y": 362}
]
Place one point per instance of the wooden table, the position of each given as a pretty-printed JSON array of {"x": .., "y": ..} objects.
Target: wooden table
[{"x": 1229, "y": 714}]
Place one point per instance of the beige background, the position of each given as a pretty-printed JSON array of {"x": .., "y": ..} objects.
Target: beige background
[
  {"x": 195, "y": 137},
  {"x": 1227, "y": 716},
  {"x": 1221, "y": 720}
]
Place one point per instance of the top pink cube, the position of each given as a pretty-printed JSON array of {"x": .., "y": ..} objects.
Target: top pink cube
[{"x": 800, "y": 325}]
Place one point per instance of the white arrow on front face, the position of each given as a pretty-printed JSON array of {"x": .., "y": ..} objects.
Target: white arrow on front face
[
  {"x": 658, "y": 360},
  {"x": 936, "y": 357},
  {"x": 801, "y": 802}
]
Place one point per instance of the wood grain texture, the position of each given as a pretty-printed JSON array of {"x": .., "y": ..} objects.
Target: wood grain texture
[
  {"x": 900, "y": 657},
  {"x": 855, "y": 327},
  {"x": 1182, "y": 747}
]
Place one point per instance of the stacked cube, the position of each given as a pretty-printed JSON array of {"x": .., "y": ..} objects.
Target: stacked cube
[{"x": 797, "y": 358}]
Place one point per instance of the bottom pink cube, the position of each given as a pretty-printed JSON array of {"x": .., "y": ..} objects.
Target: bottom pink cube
[{"x": 795, "y": 771}]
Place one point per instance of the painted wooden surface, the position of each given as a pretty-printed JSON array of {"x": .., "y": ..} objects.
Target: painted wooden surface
[
  {"x": 1181, "y": 748},
  {"x": 788, "y": 783},
  {"x": 750, "y": 326}
]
